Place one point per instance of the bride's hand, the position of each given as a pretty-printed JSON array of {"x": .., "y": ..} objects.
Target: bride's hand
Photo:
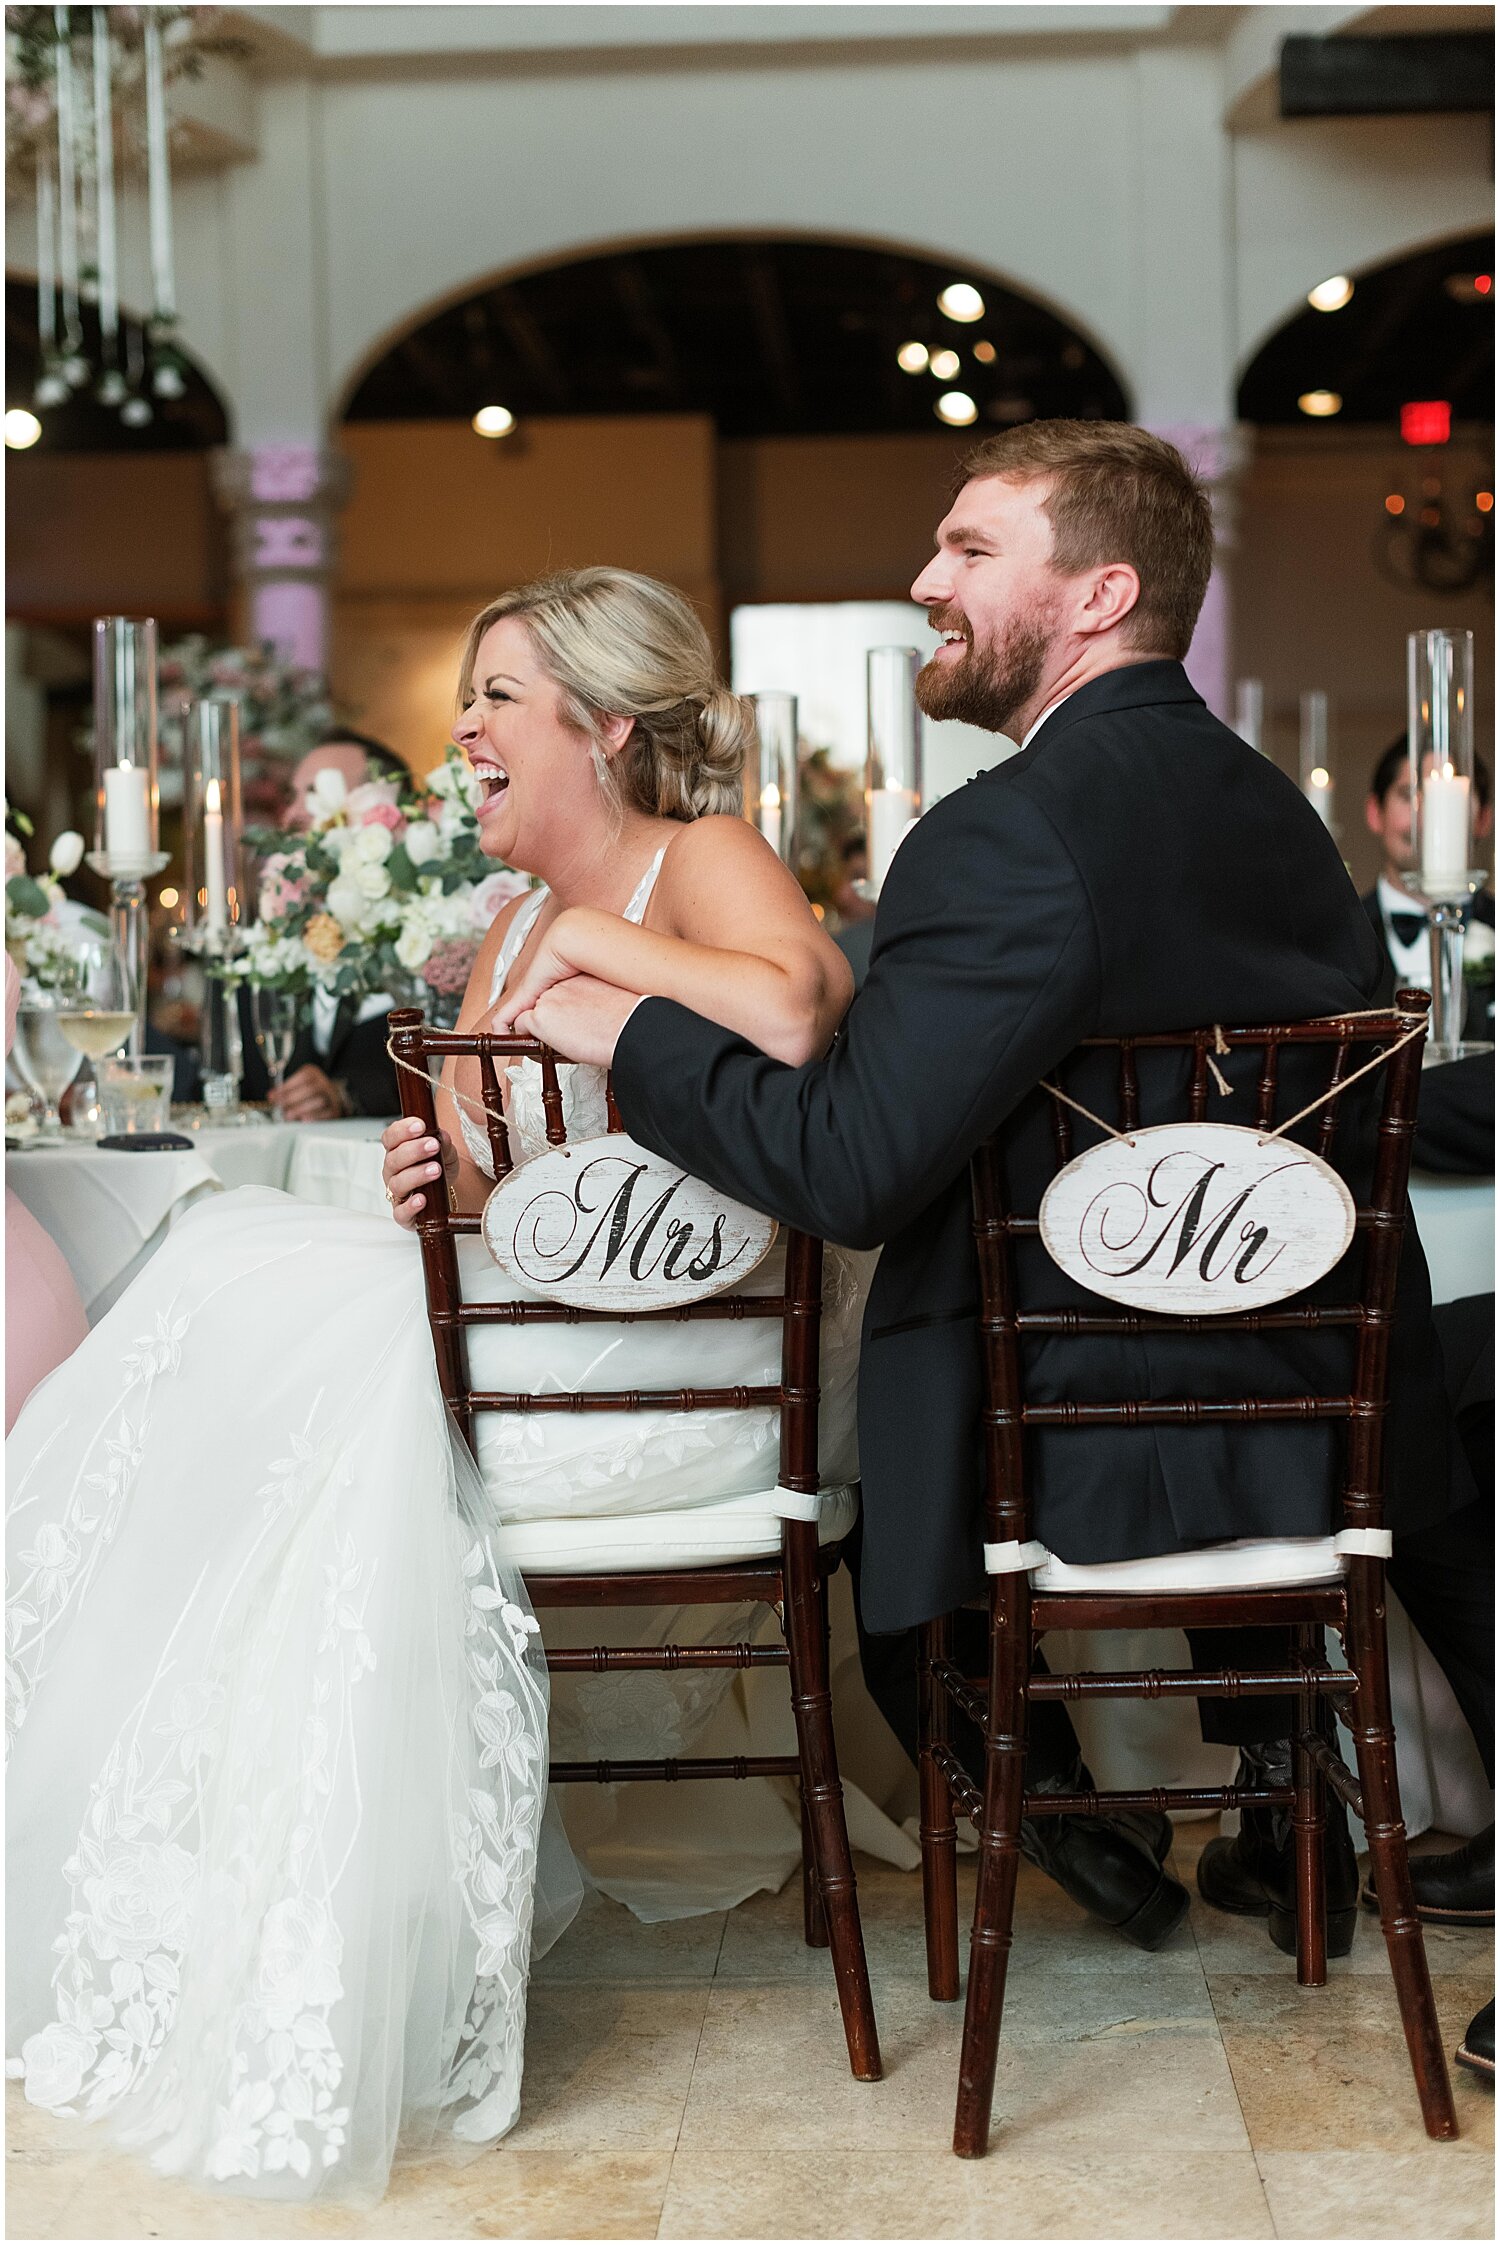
[
  {"x": 414, "y": 1162},
  {"x": 547, "y": 966},
  {"x": 581, "y": 1018}
]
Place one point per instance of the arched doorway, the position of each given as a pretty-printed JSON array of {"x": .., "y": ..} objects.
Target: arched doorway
[{"x": 761, "y": 419}]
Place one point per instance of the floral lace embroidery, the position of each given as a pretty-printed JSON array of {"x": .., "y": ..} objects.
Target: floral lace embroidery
[{"x": 65, "y": 1554}]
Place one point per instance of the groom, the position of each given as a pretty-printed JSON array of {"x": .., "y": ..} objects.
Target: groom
[{"x": 1135, "y": 868}]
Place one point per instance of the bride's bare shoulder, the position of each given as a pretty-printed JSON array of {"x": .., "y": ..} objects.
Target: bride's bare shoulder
[{"x": 721, "y": 875}]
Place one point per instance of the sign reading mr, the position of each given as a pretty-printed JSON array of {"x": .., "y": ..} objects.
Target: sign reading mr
[
  {"x": 1196, "y": 1219},
  {"x": 606, "y": 1226}
]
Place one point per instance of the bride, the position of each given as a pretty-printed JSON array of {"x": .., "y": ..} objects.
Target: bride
[{"x": 276, "y": 1705}]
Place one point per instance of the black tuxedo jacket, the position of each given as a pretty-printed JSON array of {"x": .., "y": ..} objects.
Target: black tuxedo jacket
[
  {"x": 356, "y": 1058},
  {"x": 1136, "y": 868}
]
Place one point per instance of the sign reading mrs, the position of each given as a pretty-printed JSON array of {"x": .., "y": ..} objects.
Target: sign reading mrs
[
  {"x": 1197, "y": 1219},
  {"x": 607, "y": 1226}
]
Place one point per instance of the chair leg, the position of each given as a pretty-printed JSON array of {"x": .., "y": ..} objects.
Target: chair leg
[
  {"x": 999, "y": 1860},
  {"x": 1308, "y": 1818},
  {"x": 814, "y": 1924},
  {"x": 1375, "y": 1751},
  {"x": 938, "y": 1832},
  {"x": 822, "y": 1794}
]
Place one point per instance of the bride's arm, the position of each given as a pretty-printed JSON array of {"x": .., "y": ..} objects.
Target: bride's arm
[
  {"x": 414, "y": 1168},
  {"x": 738, "y": 943}
]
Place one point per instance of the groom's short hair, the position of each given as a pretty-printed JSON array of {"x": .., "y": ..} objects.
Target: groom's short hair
[{"x": 1118, "y": 494}]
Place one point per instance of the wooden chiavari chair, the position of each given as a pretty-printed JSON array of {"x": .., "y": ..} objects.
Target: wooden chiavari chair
[
  {"x": 791, "y": 1579},
  {"x": 1351, "y": 1602}
]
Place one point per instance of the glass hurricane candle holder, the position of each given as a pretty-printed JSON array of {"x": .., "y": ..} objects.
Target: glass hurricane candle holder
[
  {"x": 893, "y": 768},
  {"x": 126, "y": 850},
  {"x": 1315, "y": 755},
  {"x": 1250, "y": 713},
  {"x": 773, "y": 807},
  {"x": 213, "y": 887},
  {"x": 1440, "y": 776}
]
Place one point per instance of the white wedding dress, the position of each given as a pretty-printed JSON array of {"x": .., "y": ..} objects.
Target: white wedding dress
[{"x": 276, "y": 1704}]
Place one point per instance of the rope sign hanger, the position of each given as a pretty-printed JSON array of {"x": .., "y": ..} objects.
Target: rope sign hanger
[{"x": 1202, "y": 1219}]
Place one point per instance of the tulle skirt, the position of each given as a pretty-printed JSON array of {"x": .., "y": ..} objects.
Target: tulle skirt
[{"x": 276, "y": 1723}]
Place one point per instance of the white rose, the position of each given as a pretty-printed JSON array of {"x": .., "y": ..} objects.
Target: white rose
[
  {"x": 422, "y": 841},
  {"x": 297, "y": 1969},
  {"x": 327, "y": 795},
  {"x": 345, "y": 900},
  {"x": 371, "y": 792},
  {"x": 67, "y": 854},
  {"x": 139, "y": 1900},
  {"x": 1479, "y": 943},
  {"x": 371, "y": 845},
  {"x": 372, "y": 880},
  {"x": 414, "y": 946},
  {"x": 56, "y": 2061}
]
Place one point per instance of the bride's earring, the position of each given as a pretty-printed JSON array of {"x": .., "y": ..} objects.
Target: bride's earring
[{"x": 601, "y": 767}]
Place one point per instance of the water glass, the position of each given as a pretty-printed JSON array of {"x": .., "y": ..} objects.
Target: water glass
[
  {"x": 276, "y": 1016},
  {"x": 135, "y": 1094},
  {"x": 46, "y": 1060}
]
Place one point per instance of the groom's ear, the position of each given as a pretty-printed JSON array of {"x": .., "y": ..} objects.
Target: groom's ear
[{"x": 614, "y": 731}]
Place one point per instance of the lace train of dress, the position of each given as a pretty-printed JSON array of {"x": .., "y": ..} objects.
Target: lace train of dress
[{"x": 276, "y": 1724}]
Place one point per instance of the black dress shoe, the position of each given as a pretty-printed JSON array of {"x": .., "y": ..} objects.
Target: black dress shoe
[
  {"x": 1477, "y": 2050},
  {"x": 1255, "y": 1874},
  {"x": 1453, "y": 1889},
  {"x": 1105, "y": 1867}
]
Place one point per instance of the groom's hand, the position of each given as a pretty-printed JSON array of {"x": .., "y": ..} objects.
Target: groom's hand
[{"x": 580, "y": 1018}]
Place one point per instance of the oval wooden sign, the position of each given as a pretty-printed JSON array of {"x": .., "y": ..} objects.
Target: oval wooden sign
[
  {"x": 605, "y": 1225},
  {"x": 1196, "y": 1219}
]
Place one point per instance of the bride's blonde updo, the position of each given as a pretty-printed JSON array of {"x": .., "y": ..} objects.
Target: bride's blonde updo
[{"x": 618, "y": 644}]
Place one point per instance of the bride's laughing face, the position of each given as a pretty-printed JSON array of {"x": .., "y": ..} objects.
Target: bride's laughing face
[{"x": 536, "y": 771}]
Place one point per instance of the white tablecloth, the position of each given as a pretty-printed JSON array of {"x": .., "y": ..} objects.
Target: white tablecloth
[{"x": 109, "y": 1211}]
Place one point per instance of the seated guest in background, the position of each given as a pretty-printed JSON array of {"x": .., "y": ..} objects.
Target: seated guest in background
[
  {"x": 339, "y": 1065},
  {"x": 1397, "y": 916}
]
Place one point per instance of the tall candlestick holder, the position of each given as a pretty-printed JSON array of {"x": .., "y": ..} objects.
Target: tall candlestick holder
[
  {"x": 893, "y": 767},
  {"x": 1250, "y": 713},
  {"x": 213, "y": 886},
  {"x": 1315, "y": 755},
  {"x": 774, "y": 809},
  {"x": 1440, "y": 775},
  {"x": 126, "y": 796}
]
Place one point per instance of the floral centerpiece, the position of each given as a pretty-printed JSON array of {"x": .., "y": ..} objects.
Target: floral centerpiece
[
  {"x": 44, "y": 948},
  {"x": 387, "y": 890}
]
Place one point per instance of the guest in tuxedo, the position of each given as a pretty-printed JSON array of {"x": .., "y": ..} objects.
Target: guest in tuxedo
[
  {"x": 1397, "y": 916},
  {"x": 1112, "y": 877},
  {"x": 339, "y": 1065}
]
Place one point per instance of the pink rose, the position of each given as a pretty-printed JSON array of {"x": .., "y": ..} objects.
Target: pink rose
[
  {"x": 493, "y": 893},
  {"x": 279, "y": 889},
  {"x": 15, "y": 858},
  {"x": 384, "y": 814}
]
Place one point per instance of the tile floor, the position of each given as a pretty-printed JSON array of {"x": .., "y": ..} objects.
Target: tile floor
[{"x": 688, "y": 2081}]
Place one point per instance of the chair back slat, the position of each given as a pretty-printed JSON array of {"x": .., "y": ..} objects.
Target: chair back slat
[
  {"x": 797, "y": 1307},
  {"x": 611, "y": 1111},
  {"x": 1355, "y": 1040},
  {"x": 494, "y": 1115}
]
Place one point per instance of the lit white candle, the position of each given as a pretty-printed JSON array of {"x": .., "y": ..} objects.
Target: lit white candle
[
  {"x": 213, "y": 860},
  {"x": 770, "y": 815},
  {"x": 1445, "y": 829},
  {"x": 127, "y": 822},
  {"x": 1320, "y": 793},
  {"x": 892, "y": 812}
]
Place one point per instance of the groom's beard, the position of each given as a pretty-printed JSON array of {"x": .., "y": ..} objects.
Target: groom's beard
[{"x": 987, "y": 686}]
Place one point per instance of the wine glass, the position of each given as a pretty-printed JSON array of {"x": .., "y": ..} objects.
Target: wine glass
[
  {"x": 98, "y": 1013},
  {"x": 48, "y": 1061},
  {"x": 275, "y": 1016}
]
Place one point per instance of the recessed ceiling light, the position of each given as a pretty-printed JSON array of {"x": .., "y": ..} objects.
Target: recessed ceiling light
[
  {"x": 961, "y": 301},
  {"x": 912, "y": 358},
  {"x": 21, "y": 428},
  {"x": 957, "y": 408},
  {"x": 493, "y": 421},
  {"x": 1331, "y": 295},
  {"x": 944, "y": 365},
  {"x": 1320, "y": 403},
  {"x": 985, "y": 353}
]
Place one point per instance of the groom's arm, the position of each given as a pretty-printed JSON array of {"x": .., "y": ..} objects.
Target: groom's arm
[{"x": 983, "y": 974}]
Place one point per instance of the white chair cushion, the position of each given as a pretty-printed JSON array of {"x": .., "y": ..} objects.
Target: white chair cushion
[
  {"x": 1254, "y": 1564},
  {"x": 709, "y": 1535}
]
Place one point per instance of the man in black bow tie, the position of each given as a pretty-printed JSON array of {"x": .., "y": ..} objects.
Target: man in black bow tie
[
  {"x": 1134, "y": 868},
  {"x": 1398, "y": 917}
]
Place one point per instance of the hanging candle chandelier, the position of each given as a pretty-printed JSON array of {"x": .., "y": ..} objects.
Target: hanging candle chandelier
[{"x": 86, "y": 99}]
